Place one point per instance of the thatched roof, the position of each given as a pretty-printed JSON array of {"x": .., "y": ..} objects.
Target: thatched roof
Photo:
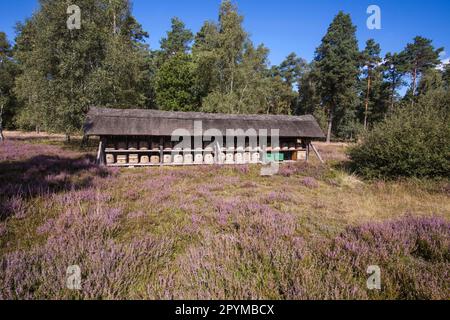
[{"x": 142, "y": 122}]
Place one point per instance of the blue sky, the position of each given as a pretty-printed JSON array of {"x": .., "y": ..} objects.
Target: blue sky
[{"x": 284, "y": 26}]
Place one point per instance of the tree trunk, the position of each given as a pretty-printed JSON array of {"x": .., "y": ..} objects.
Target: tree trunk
[
  {"x": 67, "y": 138},
  {"x": 367, "y": 102},
  {"x": 414, "y": 85},
  {"x": 2, "y": 138},
  {"x": 330, "y": 125},
  {"x": 392, "y": 96}
]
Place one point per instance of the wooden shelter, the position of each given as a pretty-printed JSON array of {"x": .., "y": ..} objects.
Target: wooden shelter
[{"x": 140, "y": 137}]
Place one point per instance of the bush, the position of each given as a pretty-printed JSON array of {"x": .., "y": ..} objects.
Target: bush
[{"x": 412, "y": 142}]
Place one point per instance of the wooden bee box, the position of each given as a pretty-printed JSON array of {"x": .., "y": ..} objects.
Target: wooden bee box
[
  {"x": 178, "y": 159},
  {"x": 209, "y": 158},
  {"x": 122, "y": 159},
  {"x": 239, "y": 158},
  {"x": 155, "y": 160},
  {"x": 145, "y": 159},
  {"x": 301, "y": 155},
  {"x": 133, "y": 159},
  {"x": 229, "y": 158},
  {"x": 168, "y": 145},
  {"x": 122, "y": 145},
  {"x": 109, "y": 159},
  {"x": 198, "y": 159},
  {"x": 132, "y": 145},
  {"x": 143, "y": 145},
  {"x": 155, "y": 145},
  {"x": 188, "y": 158},
  {"x": 110, "y": 146},
  {"x": 167, "y": 158}
]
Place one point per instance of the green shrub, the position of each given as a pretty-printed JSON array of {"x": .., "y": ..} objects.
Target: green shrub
[{"x": 412, "y": 142}]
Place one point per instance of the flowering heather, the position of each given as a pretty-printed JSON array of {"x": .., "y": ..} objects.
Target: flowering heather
[
  {"x": 213, "y": 232},
  {"x": 310, "y": 182}
]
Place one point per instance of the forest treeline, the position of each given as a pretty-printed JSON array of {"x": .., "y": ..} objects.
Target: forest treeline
[{"x": 52, "y": 75}]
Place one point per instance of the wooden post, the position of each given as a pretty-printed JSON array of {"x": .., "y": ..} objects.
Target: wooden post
[
  {"x": 101, "y": 157},
  {"x": 307, "y": 150},
  {"x": 161, "y": 150},
  {"x": 316, "y": 152}
]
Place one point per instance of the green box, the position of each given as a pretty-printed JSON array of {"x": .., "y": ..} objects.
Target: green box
[
  {"x": 279, "y": 156},
  {"x": 272, "y": 157}
]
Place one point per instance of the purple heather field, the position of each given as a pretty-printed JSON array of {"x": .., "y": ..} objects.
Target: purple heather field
[{"x": 212, "y": 232}]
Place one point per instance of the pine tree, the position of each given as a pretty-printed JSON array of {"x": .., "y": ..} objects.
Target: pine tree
[
  {"x": 337, "y": 65},
  {"x": 175, "y": 83},
  {"x": 291, "y": 69},
  {"x": 393, "y": 75},
  {"x": 370, "y": 60},
  {"x": 178, "y": 39},
  {"x": 446, "y": 76},
  {"x": 418, "y": 57}
]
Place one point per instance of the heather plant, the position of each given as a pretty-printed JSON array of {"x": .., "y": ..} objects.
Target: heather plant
[
  {"x": 111, "y": 269},
  {"x": 414, "y": 254},
  {"x": 217, "y": 233}
]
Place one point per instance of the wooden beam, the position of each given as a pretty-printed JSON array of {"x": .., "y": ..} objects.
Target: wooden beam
[
  {"x": 307, "y": 150},
  {"x": 101, "y": 157},
  {"x": 161, "y": 151},
  {"x": 316, "y": 152}
]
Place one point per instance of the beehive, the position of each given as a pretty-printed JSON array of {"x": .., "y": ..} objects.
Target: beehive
[
  {"x": 301, "y": 155},
  {"x": 122, "y": 159},
  {"x": 284, "y": 146},
  {"x": 222, "y": 157},
  {"x": 167, "y": 158},
  {"x": 209, "y": 158},
  {"x": 239, "y": 158},
  {"x": 255, "y": 157},
  {"x": 247, "y": 157},
  {"x": 121, "y": 145},
  {"x": 132, "y": 145},
  {"x": 240, "y": 147},
  {"x": 178, "y": 159},
  {"x": 145, "y": 159},
  {"x": 143, "y": 145},
  {"x": 294, "y": 156},
  {"x": 278, "y": 156},
  {"x": 168, "y": 145},
  {"x": 155, "y": 145},
  {"x": 154, "y": 160},
  {"x": 269, "y": 157},
  {"x": 291, "y": 146},
  {"x": 198, "y": 159},
  {"x": 188, "y": 158},
  {"x": 110, "y": 146},
  {"x": 229, "y": 158},
  {"x": 208, "y": 147},
  {"x": 133, "y": 159},
  {"x": 109, "y": 159}
]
